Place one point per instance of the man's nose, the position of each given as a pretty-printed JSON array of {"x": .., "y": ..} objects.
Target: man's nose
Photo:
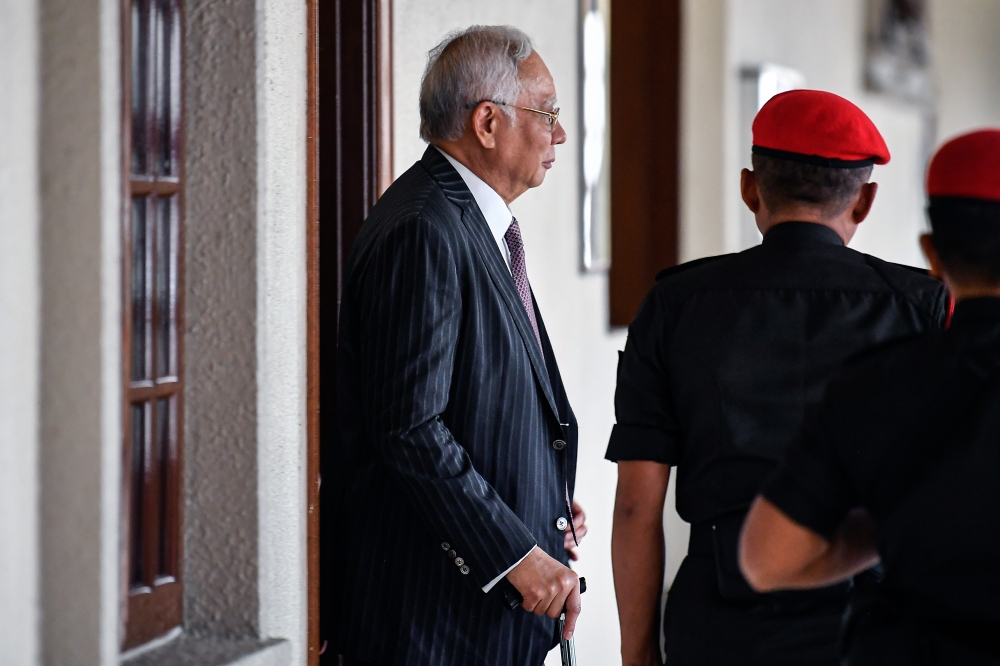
[{"x": 558, "y": 134}]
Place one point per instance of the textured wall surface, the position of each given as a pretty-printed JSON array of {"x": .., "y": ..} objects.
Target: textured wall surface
[
  {"x": 220, "y": 520},
  {"x": 19, "y": 344},
  {"x": 80, "y": 475}
]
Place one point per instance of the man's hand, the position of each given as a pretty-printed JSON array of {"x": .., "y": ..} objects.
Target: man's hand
[
  {"x": 547, "y": 586},
  {"x": 580, "y": 524}
]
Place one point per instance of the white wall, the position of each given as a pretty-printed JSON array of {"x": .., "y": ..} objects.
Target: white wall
[
  {"x": 966, "y": 43},
  {"x": 281, "y": 321},
  {"x": 574, "y": 305},
  {"x": 19, "y": 327}
]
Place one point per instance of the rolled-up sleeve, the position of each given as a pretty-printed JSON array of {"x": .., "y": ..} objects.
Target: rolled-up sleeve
[{"x": 646, "y": 428}]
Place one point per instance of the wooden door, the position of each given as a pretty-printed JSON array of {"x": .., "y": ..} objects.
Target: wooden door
[{"x": 350, "y": 165}]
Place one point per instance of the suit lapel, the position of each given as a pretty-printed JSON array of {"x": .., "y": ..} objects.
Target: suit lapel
[{"x": 482, "y": 238}]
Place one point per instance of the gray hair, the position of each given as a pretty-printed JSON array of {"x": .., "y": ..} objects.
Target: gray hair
[{"x": 469, "y": 66}]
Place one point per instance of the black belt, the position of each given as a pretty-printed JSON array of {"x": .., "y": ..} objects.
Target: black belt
[{"x": 732, "y": 585}]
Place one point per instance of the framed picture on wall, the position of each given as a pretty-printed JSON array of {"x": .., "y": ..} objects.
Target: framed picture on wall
[{"x": 898, "y": 50}]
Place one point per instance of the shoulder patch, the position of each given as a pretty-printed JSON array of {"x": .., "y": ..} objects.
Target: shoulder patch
[{"x": 680, "y": 268}]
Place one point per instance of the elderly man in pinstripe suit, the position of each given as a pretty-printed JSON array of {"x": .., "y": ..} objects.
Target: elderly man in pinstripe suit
[{"x": 457, "y": 444}]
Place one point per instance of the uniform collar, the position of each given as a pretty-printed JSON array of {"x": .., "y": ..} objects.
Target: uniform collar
[
  {"x": 983, "y": 311},
  {"x": 808, "y": 232}
]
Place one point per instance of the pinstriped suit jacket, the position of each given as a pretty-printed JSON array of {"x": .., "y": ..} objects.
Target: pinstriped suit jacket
[{"x": 447, "y": 414}]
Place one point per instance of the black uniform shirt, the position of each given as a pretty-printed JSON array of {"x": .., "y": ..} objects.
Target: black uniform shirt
[
  {"x": 726, "y": 353},
  {"x": 911, "y": 432}
]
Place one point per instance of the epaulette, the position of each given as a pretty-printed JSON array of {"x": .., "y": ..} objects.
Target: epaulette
[
  {"x": 905, "y": 281},
  {"x": 919, "y": 271},
  {"x": 680, "y": 268}
]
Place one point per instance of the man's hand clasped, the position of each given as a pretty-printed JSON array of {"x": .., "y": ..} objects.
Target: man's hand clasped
[{"x": 548, "y": 585}]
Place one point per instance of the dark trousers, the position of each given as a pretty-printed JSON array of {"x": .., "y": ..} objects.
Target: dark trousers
[{"x": 703, "y": 628}]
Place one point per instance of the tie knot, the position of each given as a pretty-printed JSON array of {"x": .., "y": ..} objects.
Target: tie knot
[{"x": 513, "y": 235}]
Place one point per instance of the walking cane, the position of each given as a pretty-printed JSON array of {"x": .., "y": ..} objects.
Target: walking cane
[{"x": 512, "y": 599}]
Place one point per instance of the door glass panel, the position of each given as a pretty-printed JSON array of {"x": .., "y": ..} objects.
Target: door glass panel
[
  {"x": 140, "y": 301},
  {"x": 165, "y": 288},
  {"x": 164, "y": 450},
  {"x": 140, "y": 92},
  {"x": 167, "y": 79},
  {"x": 138, "y": 455}
]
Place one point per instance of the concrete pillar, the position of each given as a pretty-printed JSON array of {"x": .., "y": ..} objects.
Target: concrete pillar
[
  {"x": 80, "y": 408},
  {"x": 19, "y": 347}
]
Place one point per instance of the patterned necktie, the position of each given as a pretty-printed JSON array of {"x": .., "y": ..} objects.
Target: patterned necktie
[{"x": 516, "y": 247}]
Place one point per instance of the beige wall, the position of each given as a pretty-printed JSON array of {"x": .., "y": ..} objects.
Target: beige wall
[
  {"x": 80, "y": 403},
  {"x": 966, "y": 38},
  {"x": 19, "y": 329}
]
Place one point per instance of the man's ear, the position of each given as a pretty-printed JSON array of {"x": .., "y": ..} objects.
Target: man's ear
[
  {"x": 933, "y": 258},
  {"x": 863, "y": 204},
  {"x": 485, "y": 122},
  {"x": 749, "y": 190}
]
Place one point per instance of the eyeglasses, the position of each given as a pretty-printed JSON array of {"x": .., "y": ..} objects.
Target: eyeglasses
[{"x": 551, "y": 117}]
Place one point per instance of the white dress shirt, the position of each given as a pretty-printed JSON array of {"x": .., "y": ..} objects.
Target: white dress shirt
[{"x": 498, "y": 217}]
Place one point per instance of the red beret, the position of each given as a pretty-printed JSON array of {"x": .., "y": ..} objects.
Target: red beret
[
  {"x": 818, "y": 128},
  {"x": 967, "y": 166}
]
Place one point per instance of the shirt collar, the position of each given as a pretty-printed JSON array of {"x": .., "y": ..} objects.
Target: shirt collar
[
  {"x": 976, "y": 312},
  {"x": 802, "y": 232},
  {"x": 496, "y": 212}
]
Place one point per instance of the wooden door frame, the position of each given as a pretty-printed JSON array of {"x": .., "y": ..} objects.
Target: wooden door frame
[{"x": 349, "y": 164}]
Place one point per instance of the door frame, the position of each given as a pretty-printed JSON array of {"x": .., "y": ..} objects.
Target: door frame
[{"x": 349, "y": 165}]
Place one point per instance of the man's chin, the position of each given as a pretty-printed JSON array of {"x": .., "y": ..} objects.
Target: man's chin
[{"x": 539, "y": 178}]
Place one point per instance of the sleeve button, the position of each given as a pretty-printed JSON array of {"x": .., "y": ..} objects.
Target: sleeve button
[
  {"x": 464, "y": 569},
  {"x": 459, "y": 561},
  {"x": 452, "y": 553},
  {"x": 445, "y": 546}
]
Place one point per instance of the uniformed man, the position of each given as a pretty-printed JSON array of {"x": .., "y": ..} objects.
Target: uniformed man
[
  {"x": 910, "y": 435},
  {"x": 722, "y": 359}
]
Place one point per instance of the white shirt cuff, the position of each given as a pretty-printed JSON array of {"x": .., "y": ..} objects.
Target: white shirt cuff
[{"x": 489, "y": 586}]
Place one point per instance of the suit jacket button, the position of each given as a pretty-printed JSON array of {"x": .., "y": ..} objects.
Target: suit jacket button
[
  {"x": 452, "y": 553},
  {"x": 459, "y": 561},
  {"x": 559, "y": 445},
  {"x": 445, "y": 546},
  {"x": 464, "y": 569},
  {"x": 561, "y": 524}
]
